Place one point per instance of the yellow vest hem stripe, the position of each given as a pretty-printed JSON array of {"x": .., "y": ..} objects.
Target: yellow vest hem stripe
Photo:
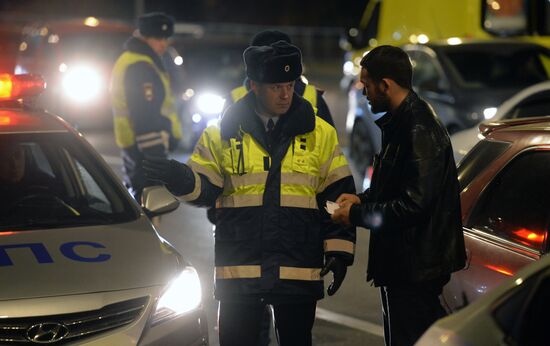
[
  {"x": 339, "y": 245},
  {"x": 239, "y": 201},
  {"x": 297, "y": 273},
  {"x": 239, "y": 272}
]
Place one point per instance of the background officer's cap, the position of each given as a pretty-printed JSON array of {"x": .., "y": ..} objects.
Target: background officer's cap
[
  {"x": 279, "y": 62},
  {"x": 156, "y": 24},
  {"x": 267, "y": 37}
]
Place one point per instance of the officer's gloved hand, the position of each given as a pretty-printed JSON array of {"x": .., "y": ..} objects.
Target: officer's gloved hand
[
  {"x": 338, "y": 268},
  {"x": 169, "y": 172}
]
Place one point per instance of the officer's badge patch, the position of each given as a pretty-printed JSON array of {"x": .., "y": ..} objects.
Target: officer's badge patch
[
  {"x": 287, "y": 68},
  {"x": 148, "y": 91}
]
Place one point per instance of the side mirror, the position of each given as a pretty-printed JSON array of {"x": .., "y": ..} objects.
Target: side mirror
[{"x": 156, "y": 200}]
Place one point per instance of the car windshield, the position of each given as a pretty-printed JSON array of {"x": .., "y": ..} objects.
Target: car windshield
[
  {"x": 53, "y": 181},
  {"x": 483, "y": 66}
]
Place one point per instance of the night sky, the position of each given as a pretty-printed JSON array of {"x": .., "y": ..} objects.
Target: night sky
[{"x": 267, "y": 12}]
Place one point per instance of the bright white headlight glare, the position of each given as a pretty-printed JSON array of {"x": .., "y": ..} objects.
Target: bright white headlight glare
[
  {"x": 489, "y": 112},
  {"x": 81, "y": 83},
  {"x": 196, "y": 118},
  {"x": 182, "y": 295},
  {"x": 209, "y": 103}
]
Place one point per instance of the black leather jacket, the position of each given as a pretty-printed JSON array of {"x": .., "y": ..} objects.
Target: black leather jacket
[{"x": 413, "y": 206}]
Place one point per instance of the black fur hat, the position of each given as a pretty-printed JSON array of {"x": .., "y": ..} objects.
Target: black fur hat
[
  {"x": 277, "y": 63},
  {"x": 156, "y": 24},
  {"x": 267, "y": 37}
]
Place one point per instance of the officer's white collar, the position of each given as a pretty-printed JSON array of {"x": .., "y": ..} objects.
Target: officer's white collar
[{"x": 265, "y": 118}]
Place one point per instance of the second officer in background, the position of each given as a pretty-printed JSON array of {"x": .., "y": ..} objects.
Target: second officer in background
[
  {"x": 145, "y": 118},
  {"x": 269, "y": 168}
]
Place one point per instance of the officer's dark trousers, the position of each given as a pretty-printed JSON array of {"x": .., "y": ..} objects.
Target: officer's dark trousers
[
  {"x": 240, "y": 323},
  {"x": 410, "y": 310}
]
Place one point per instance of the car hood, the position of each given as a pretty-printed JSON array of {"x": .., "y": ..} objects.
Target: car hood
[{"x": 54, "y": 262}]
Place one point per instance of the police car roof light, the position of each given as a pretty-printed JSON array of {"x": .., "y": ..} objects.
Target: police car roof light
[{"x": 14, "y": 87}]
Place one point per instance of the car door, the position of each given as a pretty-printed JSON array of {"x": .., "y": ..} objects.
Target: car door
[{"x": 507, "y": 228}]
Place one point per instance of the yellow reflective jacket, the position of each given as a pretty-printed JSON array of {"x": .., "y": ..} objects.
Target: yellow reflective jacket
[
  {"x": 272, "y": 231},
  {"x": 125, "y": 132}
]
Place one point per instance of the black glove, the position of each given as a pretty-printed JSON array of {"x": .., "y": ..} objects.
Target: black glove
[
  {"x": 338, "y": 269},
  {"x": 177, "y": 177}
]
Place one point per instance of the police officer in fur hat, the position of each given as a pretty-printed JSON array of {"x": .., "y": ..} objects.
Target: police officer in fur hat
[
  {"x": 269, "y": 168},
  {"x": 308, "y": 91},
  {"x": 145, "y": 118}
]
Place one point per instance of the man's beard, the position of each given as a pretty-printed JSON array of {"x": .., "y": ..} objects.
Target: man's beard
[{"x": 380, "y": 104}]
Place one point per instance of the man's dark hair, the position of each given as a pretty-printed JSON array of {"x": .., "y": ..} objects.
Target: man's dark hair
[{"x": 389, "y": 62}]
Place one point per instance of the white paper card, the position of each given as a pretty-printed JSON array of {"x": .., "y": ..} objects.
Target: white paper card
[{"x": 330, "y": 207}]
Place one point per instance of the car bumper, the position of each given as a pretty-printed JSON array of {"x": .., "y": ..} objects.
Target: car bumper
[{"x": 186, "y": 330}]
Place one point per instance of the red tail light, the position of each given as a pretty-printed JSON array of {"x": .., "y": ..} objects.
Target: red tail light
[
  {"x": 13, "y": 87},
  {"x": 501, "y": 270}
]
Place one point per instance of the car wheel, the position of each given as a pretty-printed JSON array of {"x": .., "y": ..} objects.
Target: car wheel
[{"x": 361, "y": 148}]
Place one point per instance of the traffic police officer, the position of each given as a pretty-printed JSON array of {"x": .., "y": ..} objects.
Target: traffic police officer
[
  {"x": 145, "y": 119},
  {"x": 269, "y": 168},
  {"x": 307, "y": 91}
]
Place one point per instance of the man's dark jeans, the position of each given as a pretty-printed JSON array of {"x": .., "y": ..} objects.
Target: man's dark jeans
[{"x": 409, "y": 310}]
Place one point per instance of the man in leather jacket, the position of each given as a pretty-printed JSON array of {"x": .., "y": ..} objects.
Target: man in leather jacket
[{"x": 412, "y": 207}]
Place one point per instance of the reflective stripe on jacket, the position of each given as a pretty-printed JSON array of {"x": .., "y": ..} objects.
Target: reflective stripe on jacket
[
  {"x": 272, "y": 231},
  {"x": 124, "y": 132}
]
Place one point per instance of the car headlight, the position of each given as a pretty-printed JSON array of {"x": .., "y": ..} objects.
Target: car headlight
[
  {"x": 182, "y": 295},
  {"x": 209, "y": 103},
  {"x": 489, "y": 112},
  {"x": 81, "y": 83}
]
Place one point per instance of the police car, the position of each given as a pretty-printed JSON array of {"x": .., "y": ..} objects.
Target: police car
[{"x": 80, "y": 262}]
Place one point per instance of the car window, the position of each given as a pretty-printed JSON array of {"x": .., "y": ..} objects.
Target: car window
[
  {"x": 515, "y": 206},
  {"x": 477, "y": 159},
  {"x": 533, "y": 106},
  {"x": 497, "y": 68},
  {"x": 425, "y": 73},
  {"x": 53, "y": 181}
]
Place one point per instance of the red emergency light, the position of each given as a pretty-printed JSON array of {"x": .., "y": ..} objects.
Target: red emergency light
[{"x": 14, "y": 87}]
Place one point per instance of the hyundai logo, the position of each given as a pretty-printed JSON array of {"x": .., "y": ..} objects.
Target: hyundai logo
[{"x": 45, "y": 333}]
